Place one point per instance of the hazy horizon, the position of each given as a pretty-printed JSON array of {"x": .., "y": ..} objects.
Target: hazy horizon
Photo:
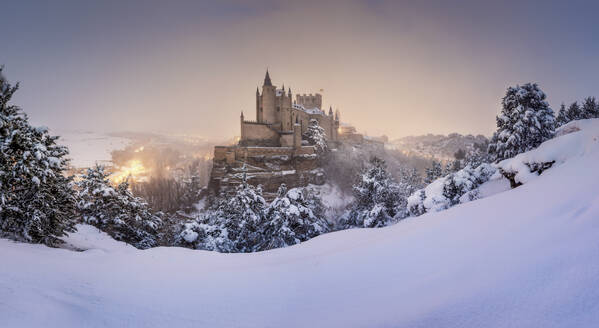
[{"x": 394, "y": 68}]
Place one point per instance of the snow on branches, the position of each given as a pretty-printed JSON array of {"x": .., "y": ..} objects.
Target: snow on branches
[
  {"x": 116, "y": 211},
  {"x": 524, "y": 123},
  {"x": 455, "y": 188},
  {"x": 243, "y": 222},
  {"x": 37, "y": 203},
  {"x": 316, "y": 136},
  {"x": 378, "y": 199}
]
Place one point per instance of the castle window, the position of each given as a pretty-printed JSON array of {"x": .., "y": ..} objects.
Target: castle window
[
  {"x": 278, "y": 109},
  {"x": 260, "y": 108}
]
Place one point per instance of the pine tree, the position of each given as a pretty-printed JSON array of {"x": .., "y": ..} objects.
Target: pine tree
[
  {"x": 116, "y": 211},
  {"x": 574, "y": 112},
  {"x": 477, "y": 155},
  {"x": 411, "y": 179},
  {"x": 377, "y": 201},
  {"x": 562, "y": 116},
  {"x": 191, "y": 193},
  {"x": 296, "y": 215},
  {"x": 590, "y": 108},
  {"x": 232, "y": 225},
  {"x": 524, "y": 123},
  {"x": 37, "y": 202},
  {"x": 433, "y": 173},
  {"x": 316, "y": 136}
]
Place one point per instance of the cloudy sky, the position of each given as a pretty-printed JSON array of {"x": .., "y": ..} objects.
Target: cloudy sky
[{"x": 392, "y": 67}]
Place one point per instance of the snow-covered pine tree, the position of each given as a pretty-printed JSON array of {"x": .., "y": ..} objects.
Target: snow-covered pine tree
[
  {"x": 574, "y": 112},
  {"x": 316, "y": 136},
  {"x": 233, "y": 225},
  {"x": 191, "y": 193},
  {"x": 526, "y": 120},
  {"x": 411, "y": 179},
  {"x": 378, "y": 199},
  {"x": 37, "y": 202},
  {"x": 116, "y": 211},
  {"x": 296, "y": 215},
  {"x": 477, "y": 155},
  {"x": 562, "y": 116},
  {"x": 590, "y": 108},
  {"x": 434, "y": 172}
]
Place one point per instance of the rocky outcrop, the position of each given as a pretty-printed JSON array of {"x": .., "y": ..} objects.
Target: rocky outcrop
[{"x": 268, "y": 167}]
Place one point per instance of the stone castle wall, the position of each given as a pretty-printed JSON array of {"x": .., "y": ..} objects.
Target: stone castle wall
[{"x": 253, "y": 133}]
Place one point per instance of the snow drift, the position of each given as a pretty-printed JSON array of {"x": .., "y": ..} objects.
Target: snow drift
[{"x": 527, "y": 257}]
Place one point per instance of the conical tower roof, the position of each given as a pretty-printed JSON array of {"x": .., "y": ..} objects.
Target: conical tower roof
[{"x": 267, "y": 79}]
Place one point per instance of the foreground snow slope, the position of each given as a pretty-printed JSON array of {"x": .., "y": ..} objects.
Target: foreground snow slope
[{"x": 527, "y": 257}]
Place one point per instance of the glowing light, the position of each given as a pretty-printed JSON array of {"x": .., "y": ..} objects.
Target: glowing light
[
  {"x": 134, "y": 168},
  {"x": 139, "y": 149}
]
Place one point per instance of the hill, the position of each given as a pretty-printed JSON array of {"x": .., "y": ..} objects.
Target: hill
[{"x": 441, "y": 147}]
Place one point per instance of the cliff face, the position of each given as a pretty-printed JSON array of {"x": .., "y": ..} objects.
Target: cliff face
[{"x": 265, "y": 166}]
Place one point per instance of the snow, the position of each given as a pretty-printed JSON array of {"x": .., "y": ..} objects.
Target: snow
[
  {"x": 91, "y": 238},
  {"x": 527, "y": 257},
  {"x": 582, "y": 138}
]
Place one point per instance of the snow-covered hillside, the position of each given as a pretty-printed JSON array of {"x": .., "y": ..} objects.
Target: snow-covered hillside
[{"x": 526, "y": 257}]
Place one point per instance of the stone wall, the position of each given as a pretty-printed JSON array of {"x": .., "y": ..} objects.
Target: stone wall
[{"x": 253, "y": 133}]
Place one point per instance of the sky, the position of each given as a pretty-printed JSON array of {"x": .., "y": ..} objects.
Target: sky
[{"x": 391, "y": 67}]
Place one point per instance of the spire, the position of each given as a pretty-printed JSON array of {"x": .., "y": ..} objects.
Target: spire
[
  {"x": 242, "y": 115},
  {"x": 283, "y": 88},
  {"x": 289, "y": 93},
  {"x": 257, "y": 92},
  {"x": 330, "y": 110},
  {"x": 267, "y": 79}
]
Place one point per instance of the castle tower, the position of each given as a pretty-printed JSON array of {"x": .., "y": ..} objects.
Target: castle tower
[
  {"x": 258, "y": 112},
  {"x": 266, "y": 110}
]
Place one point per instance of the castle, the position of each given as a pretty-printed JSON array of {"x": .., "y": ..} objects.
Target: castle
[
  {"x": 281, "y": 123},
  {"x": 271, "y": 149}
]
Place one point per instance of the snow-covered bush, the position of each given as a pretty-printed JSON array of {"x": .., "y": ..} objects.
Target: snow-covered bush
[
  {"x": 316, "y": 136},
  {"x": 378, "y": 199},
  {"x": 37, "y": 203},
  {"x": 455, "y": 188},
  {"x": 296, "y": 215},
  {"x": 116, "y": 211},
  {"x": 524, "y": 123}
]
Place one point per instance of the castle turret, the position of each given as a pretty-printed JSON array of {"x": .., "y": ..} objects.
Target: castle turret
[
  {"x": 242, "y": 132},
  {"x": 330, "y": 110},
  {"x": 267, "y": 109},
  {"x": 258, "y": 105}
]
